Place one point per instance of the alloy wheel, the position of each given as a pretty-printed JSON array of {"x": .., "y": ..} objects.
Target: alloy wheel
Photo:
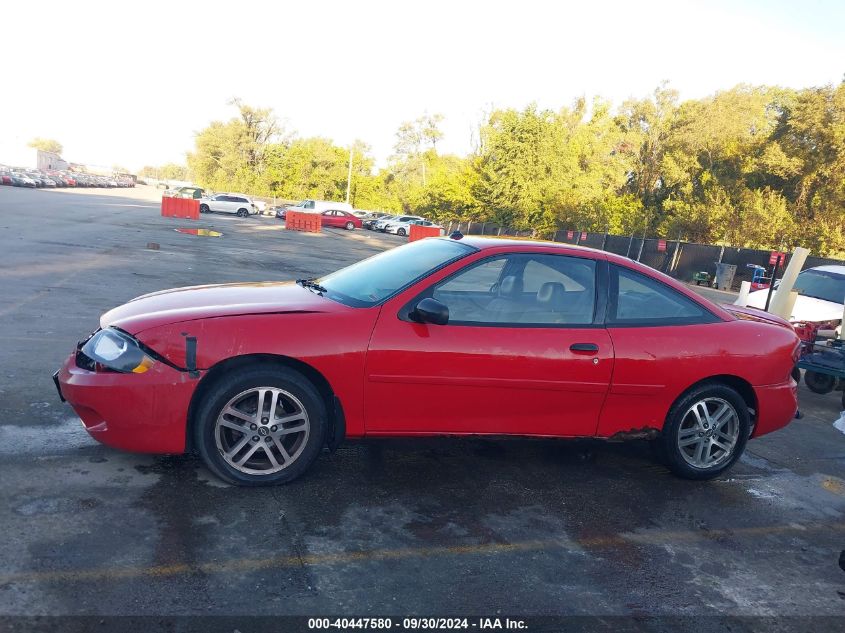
[
  {"x": 708, "y": 433},
  {"x": 262, "y": 430}
]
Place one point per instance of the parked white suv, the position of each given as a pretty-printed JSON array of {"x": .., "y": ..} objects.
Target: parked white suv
[
  {"x": 381, "y": 225},
  {"x": 404, "y": 228},
  {"x": 236, "y": 203}
]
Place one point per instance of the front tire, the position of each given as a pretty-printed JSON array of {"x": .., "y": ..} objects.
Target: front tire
[
  {"x": 203, "y": 208},
  {"x": 350, "y": 226},
  {"x": 705, "y": 432},
  {"x": 819, "y": 383},
  {"x": 242, "y": 213},
  {"x": 260, "y": 426}
]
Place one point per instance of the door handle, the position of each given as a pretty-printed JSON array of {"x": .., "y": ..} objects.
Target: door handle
[{"x": 584, "y": 347}]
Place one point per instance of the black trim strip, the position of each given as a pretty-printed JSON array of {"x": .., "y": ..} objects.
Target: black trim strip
[
  {"x": 191, "y": 356},
  {"x": 58, "y": 385}
]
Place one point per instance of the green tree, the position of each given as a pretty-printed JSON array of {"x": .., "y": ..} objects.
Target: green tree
[
  {"x": 232, "y": 154},
  {"x": 753, "y": 166},
  {"x": 46, "y": 145}
]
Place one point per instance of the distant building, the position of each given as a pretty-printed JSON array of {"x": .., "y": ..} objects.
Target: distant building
[{"x": 49, "y": 161}]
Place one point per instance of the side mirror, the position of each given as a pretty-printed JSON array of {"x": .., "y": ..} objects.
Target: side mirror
[{"x": 431, "y": 311}]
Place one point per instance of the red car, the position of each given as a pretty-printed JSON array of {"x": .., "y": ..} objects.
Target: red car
[
  {"x": 438, "y": 337},
  {"x": 340, "y": 219}
]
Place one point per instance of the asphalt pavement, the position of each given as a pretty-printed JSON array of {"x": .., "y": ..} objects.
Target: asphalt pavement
[{"x": 381, "y": 527}]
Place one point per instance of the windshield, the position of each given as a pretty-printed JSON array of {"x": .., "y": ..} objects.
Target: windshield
[
  {"x": 375, "y": 279},
  {"x": 821, "y": 285}
]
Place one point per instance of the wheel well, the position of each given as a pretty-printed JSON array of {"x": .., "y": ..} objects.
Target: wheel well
[
  {"x": 337, "y": 423},
  {"x": 740, "y": 385}
]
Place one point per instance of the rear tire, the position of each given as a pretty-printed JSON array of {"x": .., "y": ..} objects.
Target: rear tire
[
  {"x": 400, "y": 232},
  {"x": 290, "y": 428},
  {"x": 705, "y": 432},
  {"x": 819, "y": 383}
]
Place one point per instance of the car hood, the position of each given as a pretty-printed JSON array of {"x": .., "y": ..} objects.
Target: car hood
[
  {"x": 204, "y": 302},
  {"x": 805, "y": 309}
]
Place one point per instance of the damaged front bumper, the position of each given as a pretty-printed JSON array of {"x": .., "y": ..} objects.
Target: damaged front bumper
[{"x": 144, "y": 413}]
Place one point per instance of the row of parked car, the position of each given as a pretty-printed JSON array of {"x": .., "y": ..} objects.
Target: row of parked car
[
  {"x": 342, "y": 215},
  {"x": 51, "y": 179},
  {"x": 334, "y": 214}
]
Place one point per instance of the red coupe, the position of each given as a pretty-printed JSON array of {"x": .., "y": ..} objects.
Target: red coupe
[
  {"x": 340, "y": 219},
  {"x": 438, "y": 337}
]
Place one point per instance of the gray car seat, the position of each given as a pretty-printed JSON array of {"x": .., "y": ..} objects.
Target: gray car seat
[
  {"x": 556, "y": 305},
  {"x": 507, "y": 306}
]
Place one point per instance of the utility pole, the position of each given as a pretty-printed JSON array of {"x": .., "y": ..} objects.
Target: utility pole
[{"x": 349, "y": 176}]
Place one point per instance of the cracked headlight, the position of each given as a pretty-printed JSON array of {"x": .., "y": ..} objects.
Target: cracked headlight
[{"x": 117, "y": 351}]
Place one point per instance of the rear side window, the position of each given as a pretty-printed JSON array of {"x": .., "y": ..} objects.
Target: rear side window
[{"x": 638, "y": 300}]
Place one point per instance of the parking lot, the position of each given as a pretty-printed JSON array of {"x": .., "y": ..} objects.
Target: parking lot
[{"x": 381, "y": 527}]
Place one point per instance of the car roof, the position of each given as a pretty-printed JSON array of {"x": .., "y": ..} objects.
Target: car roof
[
  {"x": 832, "y": 268},
  {"x": 483, "y": 243}
]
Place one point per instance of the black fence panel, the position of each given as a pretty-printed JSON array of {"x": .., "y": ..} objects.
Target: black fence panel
[
  {"x": 619, "y": 244},
  {"x": 695, "y": 258}
]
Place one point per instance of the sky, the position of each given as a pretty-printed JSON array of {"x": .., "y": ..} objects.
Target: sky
[{"x": 131, "y": 83}]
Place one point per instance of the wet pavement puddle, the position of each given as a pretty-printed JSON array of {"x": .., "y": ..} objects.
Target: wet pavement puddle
[{"x": 200, "y": 232}]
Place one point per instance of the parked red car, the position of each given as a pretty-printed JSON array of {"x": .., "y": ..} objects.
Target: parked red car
[
  {"x": 440, "y": 336},
  {"x": 340, "y": 219}
]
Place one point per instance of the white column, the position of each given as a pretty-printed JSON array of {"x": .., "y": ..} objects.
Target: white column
[
  {"x": 780, "y": 298},
  {"x": 744, "y": 289}
]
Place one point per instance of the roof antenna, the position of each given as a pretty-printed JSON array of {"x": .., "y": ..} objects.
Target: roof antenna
[{"x": 456, "y": 235}]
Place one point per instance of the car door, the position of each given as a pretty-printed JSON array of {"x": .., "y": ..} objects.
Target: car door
[
  {"x": 524, "y": 352},
  {"x": 231, "y": 204},
  {"x": 221, "y": 204},
  {"x": 241, "y": 203},
  {"x": 329, "y": 218}
]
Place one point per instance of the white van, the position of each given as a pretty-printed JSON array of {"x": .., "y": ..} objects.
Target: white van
[{"x": 318, "y": 206}]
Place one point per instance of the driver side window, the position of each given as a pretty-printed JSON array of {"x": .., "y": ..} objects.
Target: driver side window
[
  {"x": 537, "y": 290},
  {"x": 468, "y": 293}
]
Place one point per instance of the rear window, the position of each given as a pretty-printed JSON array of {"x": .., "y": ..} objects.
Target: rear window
[{"x": 638, "y": 300}]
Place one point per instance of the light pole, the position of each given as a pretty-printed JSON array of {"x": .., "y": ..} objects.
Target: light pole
[{"x": 349, "y": 176}]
